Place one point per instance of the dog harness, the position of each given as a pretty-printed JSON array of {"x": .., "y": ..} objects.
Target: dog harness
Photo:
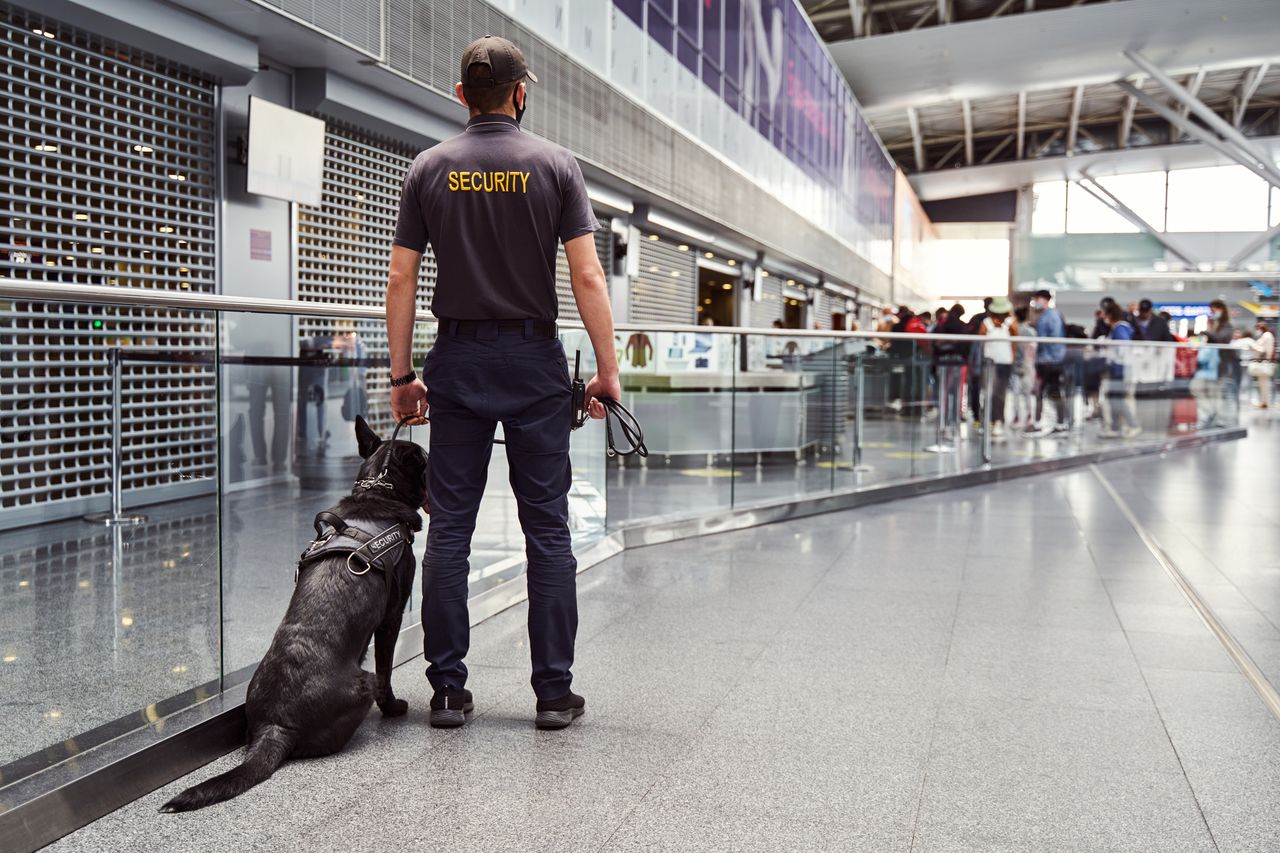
[{"x": 366, "y": 546}]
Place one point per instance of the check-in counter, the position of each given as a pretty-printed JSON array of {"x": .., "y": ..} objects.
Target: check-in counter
[{"x": 694, "y": 413}]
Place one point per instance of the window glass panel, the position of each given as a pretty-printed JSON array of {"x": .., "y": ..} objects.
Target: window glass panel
[
  {"x": 1222, "y": 198},
  {"x": 1275, "y": 207},
  {"x": 1143, "y": 193},
  {"x": 1049, "y": 215},
  {"x": 1088, "y": 215}
]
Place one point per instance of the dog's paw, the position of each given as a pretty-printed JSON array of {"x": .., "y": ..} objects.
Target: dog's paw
[{"x": 394, "y": 708}]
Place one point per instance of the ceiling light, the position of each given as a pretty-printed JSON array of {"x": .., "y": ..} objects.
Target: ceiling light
[
  {"x": 791, "y": 281},
  {"x": 10, "y": 658},
  {"x": 707, "y": 300},
  {"x": 44, "y": 33},
  {"x": 183, "y": 269},
  {"x": 675, "y": 273},
  {"x": 653, "y": 268},
  {"x": 83, "y": 584},
  {"x": 166, "y": 229},
  {"x": 46, "y": 146},
  {"x": 764, "y": 273},
  {"x": 176, "y": 176},
  {"x": 126, "y": 621},
  {"x": 726, "y": 286},
  {"x": 82, "y": 216},
  {"x": 182, "y": 242},
  {"x": 70, "y": 258},
  {"x": 143, "y": 149},
  {"x": 23, "y": 584},
  {"x": 732, "y": 262},
  {"x": 49, "y": 263},
  {"x": 653, "y": 236},
  {"x": 97, "y": 250},
  {"x": 186, "y": 285},
  {"x": 683, "y": 247},
  {"x": 708, "y": 254}
]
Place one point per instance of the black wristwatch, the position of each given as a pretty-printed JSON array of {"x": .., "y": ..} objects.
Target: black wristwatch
[{"x": 397, "y": 381}]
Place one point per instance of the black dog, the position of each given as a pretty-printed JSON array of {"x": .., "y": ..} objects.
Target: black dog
[{"x": 310, "y": 693}]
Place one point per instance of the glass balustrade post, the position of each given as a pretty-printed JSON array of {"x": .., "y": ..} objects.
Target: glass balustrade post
[
  {"x": 987, "y": 404},
  {"x": 115, "y": 358}
]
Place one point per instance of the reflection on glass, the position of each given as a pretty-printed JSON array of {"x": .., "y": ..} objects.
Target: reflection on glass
[{"x": 680, "y": 387}]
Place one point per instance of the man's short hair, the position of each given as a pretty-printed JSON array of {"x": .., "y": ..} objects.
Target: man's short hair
[
  {"x": 1043, "y": 294},
  {"x": 1145, "y": 305},
  {"x": 482, "y": 96}
]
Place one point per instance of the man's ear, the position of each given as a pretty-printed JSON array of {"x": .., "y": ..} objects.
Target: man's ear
[
  {"x": 462, "y": 99},
  {"x": 366, "y": 439}
]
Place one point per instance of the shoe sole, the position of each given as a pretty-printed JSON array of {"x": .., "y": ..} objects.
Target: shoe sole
[
  {"x": 557, "y": 719},
  {"x": 450, "y": 718}
]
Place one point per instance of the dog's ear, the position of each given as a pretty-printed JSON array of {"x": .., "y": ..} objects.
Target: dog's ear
[{"x": 366, "y": 439}]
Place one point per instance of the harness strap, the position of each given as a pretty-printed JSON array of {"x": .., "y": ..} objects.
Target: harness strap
[{"x": 363, "y": 550}]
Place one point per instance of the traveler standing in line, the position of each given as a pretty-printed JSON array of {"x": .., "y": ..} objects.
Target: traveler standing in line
[
  {"x": 1022, "y": 382},
  {"x": 974, "y": 383},
  {"x": 493, "y": 202},
  {"x": 951, "y": 359},
  {"x": 1049, "y": 358},
  {"x": 999, "y": 329},
  {"x": 1263, "y": 366},
  {"x": 1118, "y": 383},
  {"x": 1221, "y": 331}
]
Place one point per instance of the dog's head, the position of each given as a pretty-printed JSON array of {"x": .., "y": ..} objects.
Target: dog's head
[{"x": 404, "y": 462}]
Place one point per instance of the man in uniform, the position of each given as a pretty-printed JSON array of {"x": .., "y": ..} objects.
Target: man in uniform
[{"x": 493, "y": 202}]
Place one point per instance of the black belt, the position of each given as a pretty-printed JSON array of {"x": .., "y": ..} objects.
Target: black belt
[{"x": 490, "y": 329}]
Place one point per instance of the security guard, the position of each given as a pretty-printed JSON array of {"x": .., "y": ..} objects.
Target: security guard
[{"x": 492, "y": 202}]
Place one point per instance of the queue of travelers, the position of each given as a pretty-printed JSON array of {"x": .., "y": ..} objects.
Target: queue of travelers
[{"x": 1033, "y": 384}]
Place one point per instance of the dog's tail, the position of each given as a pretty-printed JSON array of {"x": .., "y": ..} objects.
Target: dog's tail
[{"x": 269, "y": 746}]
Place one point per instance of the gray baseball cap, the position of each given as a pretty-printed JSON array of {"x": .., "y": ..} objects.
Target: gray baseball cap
[{"x": 504, "y": 60}]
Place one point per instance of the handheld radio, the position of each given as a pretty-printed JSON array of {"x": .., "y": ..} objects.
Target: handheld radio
[{"x": 579, "y": 393}]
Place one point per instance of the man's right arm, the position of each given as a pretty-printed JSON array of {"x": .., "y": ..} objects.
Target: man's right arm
[{"x": 591, "y": 293}]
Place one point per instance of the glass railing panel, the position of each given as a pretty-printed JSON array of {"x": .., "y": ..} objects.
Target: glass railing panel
[
  {"x": 104, "y": 626},
  {"x": 680, "y": 387},
  {"x": 790, "y": 413},
  {"x": 890, "y": 404},
  {"x": 588, "y": 508}
]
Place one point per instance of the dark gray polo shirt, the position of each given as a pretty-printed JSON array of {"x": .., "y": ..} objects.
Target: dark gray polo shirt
[{"x": 492, "y": 202}]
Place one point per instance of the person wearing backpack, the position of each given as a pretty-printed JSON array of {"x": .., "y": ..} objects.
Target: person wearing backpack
[
  {"x": 998, "y": 329},
  {"x": 1118, "y": 384}
]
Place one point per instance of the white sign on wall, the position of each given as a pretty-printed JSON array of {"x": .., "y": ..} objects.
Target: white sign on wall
[{"x": 286, "y": 153}]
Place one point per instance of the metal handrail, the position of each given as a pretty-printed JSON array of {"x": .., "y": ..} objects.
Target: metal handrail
[{"x": 49, "y": 291}]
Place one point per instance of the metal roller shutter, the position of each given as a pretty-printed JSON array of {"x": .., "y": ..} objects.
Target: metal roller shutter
[
  {"x": 822, "y": 309},
  {"x": 344, "y": 245},
  {"x": 771, "y": 306},
  {"x": 108, "y": 166},
  {"x": 666, "y": 290},
  {"x": 564, "y": 288}
]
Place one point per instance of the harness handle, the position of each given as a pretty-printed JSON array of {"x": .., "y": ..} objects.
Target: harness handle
[{"x": 330, "y": 519}]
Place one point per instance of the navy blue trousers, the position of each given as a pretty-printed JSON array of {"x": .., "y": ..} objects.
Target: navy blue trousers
[{"x": 474, "y": 383}]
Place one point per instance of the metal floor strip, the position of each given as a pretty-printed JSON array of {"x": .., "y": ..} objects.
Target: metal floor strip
[{"x": 1256, "y": 678}]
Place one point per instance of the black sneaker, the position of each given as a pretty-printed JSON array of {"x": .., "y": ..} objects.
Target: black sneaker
[
  {"x": 450, "y": 706},
  {"x": 559, "y": 713}
]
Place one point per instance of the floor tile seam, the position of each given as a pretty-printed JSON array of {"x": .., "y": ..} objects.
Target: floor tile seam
[
  {"x": 937, "y": 714},
  {"x": 1164, "y": 726}
]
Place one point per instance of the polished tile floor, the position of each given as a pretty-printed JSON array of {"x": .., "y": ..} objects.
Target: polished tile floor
[
  {"x": 997, "y": 668},
  {"x": 96, "y": 625}
]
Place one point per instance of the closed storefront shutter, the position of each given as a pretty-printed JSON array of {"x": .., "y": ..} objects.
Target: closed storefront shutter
[
  {"x": 108, "y": 179},
  {"x": 770, "y": 306},
  {"x": 344, "y": 246},
  {"x": 822, "y": 307},
  {"x": 666, "y": 290}
]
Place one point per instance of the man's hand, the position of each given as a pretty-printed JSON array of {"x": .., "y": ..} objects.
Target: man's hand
[
  {"x": 602, "y": 386},
  {"x": 410, "y": 401}
]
